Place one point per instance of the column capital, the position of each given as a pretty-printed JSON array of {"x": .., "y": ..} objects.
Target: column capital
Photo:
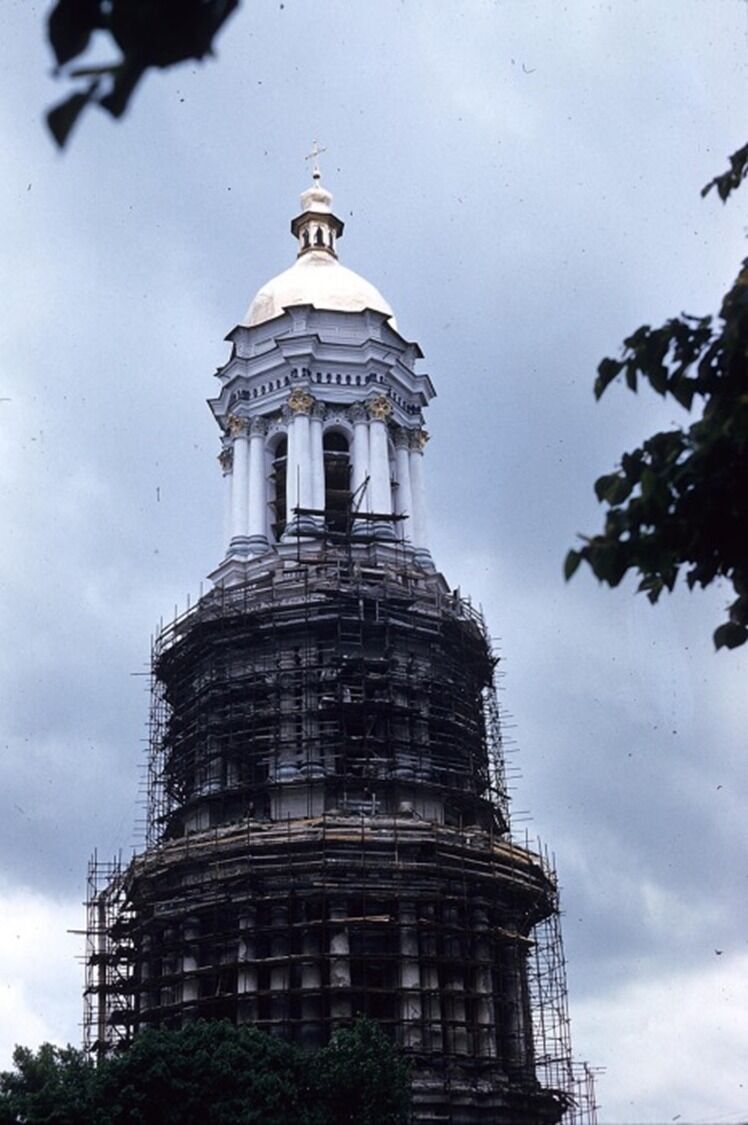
[
  {"x": 379, "y": 408},
  {"x": 258, "y": 426},
  {"x": 358, "y": 413},
  {"x": 418, "y": 439},
  {"x": 226, "y": 459},
  {"x": 236, "y": 426},
  {"x": 401, "y": 437},
  {"x": 319, "y": 410},
  {"x": 300, "y": 401}
]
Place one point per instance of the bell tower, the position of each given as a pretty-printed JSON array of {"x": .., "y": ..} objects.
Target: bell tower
[{"x": 328, "y": 828}]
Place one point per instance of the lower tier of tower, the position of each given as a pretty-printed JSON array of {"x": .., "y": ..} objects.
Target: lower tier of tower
[{"x": 297, "y": 928}]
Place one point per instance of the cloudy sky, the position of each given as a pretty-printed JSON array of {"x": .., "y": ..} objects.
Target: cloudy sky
[{"x": 521, "y": 180}]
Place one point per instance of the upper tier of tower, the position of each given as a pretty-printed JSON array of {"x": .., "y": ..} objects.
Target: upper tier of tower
[
  {"x": 316, "y": 278},
  {"x": 321, "y": 412}
]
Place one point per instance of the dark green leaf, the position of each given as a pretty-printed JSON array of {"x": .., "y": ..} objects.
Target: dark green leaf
[
  {"x": 70, "y": 25},
  {"x": 571, "y": 563},
  {"x": 730, "y": 635},
  {"x": 63, "y": 117},
  {"x": 606, "y": 373},
  {"x": 602, "y": 484},
  {"x": 728, "y": 181},
  {"x": 648, "y": 483}
]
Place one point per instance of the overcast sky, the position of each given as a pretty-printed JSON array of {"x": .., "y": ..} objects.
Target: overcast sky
[{"x": 521, "y": 180}]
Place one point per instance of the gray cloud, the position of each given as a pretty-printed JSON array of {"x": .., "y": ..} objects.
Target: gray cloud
[{"x": 522, "y": 183}]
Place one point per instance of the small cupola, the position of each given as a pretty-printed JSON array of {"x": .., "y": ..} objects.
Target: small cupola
[{"x": 316, "y": 228}]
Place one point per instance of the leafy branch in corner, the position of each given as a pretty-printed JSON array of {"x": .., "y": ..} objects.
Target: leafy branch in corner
[
  {"x": 680, "y": 501},
  {"x": 148, "y": 33}
]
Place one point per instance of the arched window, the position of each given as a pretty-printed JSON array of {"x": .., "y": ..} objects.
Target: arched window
[
  {"x": 337, "y": 480},
  {"x": 319, "y": 237},
  {"x": 305, "y": 239},
  {"x": 280, "y": 460}
]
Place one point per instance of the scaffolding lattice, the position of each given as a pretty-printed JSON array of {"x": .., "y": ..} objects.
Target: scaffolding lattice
[
  {"x": 107, "y": 993},
  {"x": 555, "y": 1065},
  {"x": 363, "y": 696}
]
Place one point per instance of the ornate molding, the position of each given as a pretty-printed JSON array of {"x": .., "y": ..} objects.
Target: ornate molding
[
  {"x": 379, "y": 408},
  {"x": 226, "y": 459},
  {"x": 300, "y": 401},
  {"x": 357, "y": 413},
  {"x": 419, "y": 439},
  {"x": 401, "y": 437},
  {"x": 237, "y": 427},
  {"x": 319, "y": 410},
  {"x": 258, "y": 426}
]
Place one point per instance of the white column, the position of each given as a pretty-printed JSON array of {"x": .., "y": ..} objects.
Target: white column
[
  {"x": 403, "y": 494},
  {"x": 432, "y": 997},
  {"x": 246, "y": 983},
  {"x": 318, "y": 460},
  {"x": 380, "y": 409},
  {"x": 340, "y": 965},
  {"x": 311, "y": 986},
  {"x": 226, "y": 461},
  {"x": 280, "y": 971},
  {"x": 483, "y": 1006},
  {"x": 190, "y": 982},
  {"x": 410, "y": 977},
  {"x": 258, "y": 509},
  {"x": 419, "y": 529},
  {"x": 239, "y": 486},
  {"x": 299, "y": 481},
  {"x": 360, "y": 489},
  {"x": 291, "y": 476}
]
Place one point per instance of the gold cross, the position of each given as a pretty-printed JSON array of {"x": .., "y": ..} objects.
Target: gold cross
[{"x": 314, "y": 155}]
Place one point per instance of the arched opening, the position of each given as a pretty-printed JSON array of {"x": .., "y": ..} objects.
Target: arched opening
[
  {"x": 319, "y": 239},
  {"x": 305, "y": 239},
  {"x": 278, "y": 476},
  {"x": 337, "y": 480}
]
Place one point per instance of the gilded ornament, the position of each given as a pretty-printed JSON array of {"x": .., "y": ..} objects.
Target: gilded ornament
[
  {"x": 236, "y": 426},
  {"x": 380, "y": 408},
  {"x": 300, "y": 401}
]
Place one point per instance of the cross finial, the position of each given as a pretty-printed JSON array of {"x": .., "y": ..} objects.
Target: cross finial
[{"x": 315, "y": 155}]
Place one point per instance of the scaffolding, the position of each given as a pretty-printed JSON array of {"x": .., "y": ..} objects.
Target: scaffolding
[
  {"x": 328, "y": 834},
  {"x": 554, "y": 1062},
  {"x": 109, "y": 958},
  {"x": 372, "y": 685}
]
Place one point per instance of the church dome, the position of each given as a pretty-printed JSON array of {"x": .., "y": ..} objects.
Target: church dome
[{"x": 316, "y": 278}]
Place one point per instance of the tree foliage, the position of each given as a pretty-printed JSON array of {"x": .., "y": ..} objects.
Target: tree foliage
[
  {"x": 147, "y": 33},
  {"x": 680, "y": 501},
  {"x": 213, "y": 1073},
  {"x": 727, "y": 182}
]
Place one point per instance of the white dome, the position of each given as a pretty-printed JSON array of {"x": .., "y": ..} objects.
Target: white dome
[{"x": 316, "y": 278}]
